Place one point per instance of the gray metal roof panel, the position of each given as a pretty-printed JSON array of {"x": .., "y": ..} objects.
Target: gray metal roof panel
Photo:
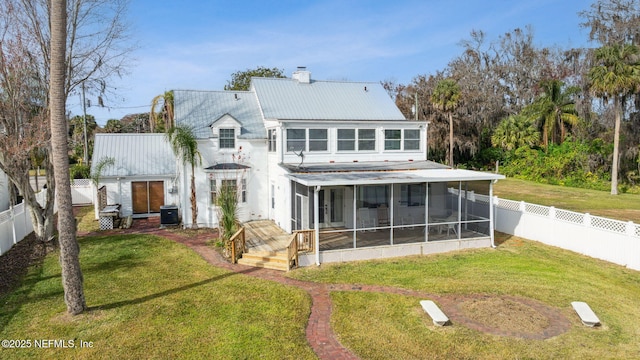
[
  {"x": 199, "y": 109},
  {"x": 134, "y": 155},
  {"x": 391, "y": 177},
  {"x": 288, "y": 99}
]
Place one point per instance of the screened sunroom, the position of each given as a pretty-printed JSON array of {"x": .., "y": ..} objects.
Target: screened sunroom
[{"x": 365, "y": 209}]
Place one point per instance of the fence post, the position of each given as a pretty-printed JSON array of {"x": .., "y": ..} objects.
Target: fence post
[
  {"x": 552, "y": 212},
  {"x": 587, "y": 220},
  {"x": 631, "y": 228},
  {"x": 13, "y": 224},
  {"x": 523, "y": 206}
]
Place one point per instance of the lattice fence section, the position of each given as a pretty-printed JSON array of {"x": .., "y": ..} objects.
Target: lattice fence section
[
  {"x": 536, "y": 209},
  {"x": 608, "y": 224},
  {"x": 637, "y": 232},
  {"x": 5, "y": 216},
  {"x": 509, "y": 204},
  {"x": 482, "y": 198},
  {"x": 80, "y": 182},
  {"x": 570, "y": 216}
]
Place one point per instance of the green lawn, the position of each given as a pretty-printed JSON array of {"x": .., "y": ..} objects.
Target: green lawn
[
  {"x": 383, "y": 326},
  {"x": 151, "y": 298},
  {"x": 624, "y": 207}
]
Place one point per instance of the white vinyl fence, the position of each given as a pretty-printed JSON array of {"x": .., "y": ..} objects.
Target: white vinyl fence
[
  {"x": 15, "y": 225},
  {"x": 594, "y": 236}
]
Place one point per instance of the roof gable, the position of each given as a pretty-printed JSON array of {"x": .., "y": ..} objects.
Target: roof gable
[
  {"x": 200, "y": 109},
  {"x": 134, "y": 154}
]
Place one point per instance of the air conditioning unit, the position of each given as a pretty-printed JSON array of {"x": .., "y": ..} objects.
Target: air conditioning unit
[{"x": 169, "y": 215}]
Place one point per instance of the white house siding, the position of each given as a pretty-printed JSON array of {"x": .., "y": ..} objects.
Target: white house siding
[
  {"x": 252, "y": 155},
  {"x": 119, "y": 192}
]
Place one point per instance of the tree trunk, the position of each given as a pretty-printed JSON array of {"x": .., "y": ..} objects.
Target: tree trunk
[
  {"x": 616, "y": 143},
  {"x": 69, "y": 249},
  {"x": 194, "y": 200},
  {"x": 451, "y": 139}
]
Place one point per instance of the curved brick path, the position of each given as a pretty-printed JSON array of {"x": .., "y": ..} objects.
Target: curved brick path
[{"x": 319, "y": 333}]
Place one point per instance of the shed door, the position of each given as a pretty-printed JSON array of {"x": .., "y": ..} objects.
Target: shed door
[{"x": 147, "y": 196}]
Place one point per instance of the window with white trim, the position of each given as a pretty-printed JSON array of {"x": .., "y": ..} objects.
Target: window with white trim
[
  {"x": 346, "y": 139},
  {"x": 296, "y": 140},
  {"x": 271, "y": 139},
  {"x": 366, "y": 139},
  {"x": 227, "y": 139},
  {"x": 411, "y": 139},
  {"x": 392, "y": 139},
  {"x": 318, "y": 140}
]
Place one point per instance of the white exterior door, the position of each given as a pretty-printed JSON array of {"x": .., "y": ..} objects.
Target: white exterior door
[{"x": 331, "y": 207}]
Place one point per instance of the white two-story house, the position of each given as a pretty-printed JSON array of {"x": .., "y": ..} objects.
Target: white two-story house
[{"x": 334, "y": 156}]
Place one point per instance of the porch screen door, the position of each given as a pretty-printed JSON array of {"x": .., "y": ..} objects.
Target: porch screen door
[{"x": 331, "y": 207}]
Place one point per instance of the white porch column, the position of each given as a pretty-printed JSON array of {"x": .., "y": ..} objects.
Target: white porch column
[
  {"x": 391, "y": 216},
  {"x": 459, "y": 210},
  {"x": 355, "y": 214},
  {"x": 316, "y": 222},
  {"x": 491, "y": 213},
  {"x": 426, "y": 212}
]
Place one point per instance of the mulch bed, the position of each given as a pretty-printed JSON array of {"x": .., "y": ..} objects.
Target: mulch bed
[{"x": 15, "y": 263}]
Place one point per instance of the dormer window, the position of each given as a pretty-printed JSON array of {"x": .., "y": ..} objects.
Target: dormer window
[{"x": 227, "y": 139}]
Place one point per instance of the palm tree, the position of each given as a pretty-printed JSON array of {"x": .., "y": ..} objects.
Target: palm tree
[
  {"x": 514, "y": 132},
  {"x": 445, "y": 98},
  {"x": 185, "y": 146},
  {"x": 615, "y": 75},
  {"x": 164, "y": 120},
  {"x": 69, "y": 249},
  {"x": 554, "y": 108}
]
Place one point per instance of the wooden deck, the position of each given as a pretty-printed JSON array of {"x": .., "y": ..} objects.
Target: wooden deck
[{"x": 265, "y": 236}]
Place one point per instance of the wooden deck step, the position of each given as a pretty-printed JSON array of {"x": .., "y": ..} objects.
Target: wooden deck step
[{"x": 265, "y": 259}]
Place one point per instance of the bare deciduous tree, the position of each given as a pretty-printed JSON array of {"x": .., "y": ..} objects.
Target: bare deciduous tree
[{"x": 96, "y": 51}]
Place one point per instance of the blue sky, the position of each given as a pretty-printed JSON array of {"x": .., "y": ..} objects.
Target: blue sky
[{"x": 198, "y": 44}]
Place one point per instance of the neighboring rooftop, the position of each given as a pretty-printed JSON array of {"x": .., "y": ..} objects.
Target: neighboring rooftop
[{"x": 134, "y": 154}]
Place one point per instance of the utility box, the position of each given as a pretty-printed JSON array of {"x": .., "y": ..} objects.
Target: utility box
[{"x": 169, "y": 215}]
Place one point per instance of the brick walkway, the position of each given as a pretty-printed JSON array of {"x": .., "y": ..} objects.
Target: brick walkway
[{"x": 319, "y": 333}]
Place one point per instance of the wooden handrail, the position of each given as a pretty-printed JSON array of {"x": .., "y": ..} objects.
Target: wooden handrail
[
  {"x": 301, "y": 240},
  {"x": 238, "y": 245}
]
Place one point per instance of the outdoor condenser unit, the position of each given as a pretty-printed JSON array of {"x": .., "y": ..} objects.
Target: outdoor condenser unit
[{"x": 169, "y": 215}]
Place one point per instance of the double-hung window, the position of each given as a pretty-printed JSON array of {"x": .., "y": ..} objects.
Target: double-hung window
[
  {"x": 392, "y": 139},
  {"x": 318, "y": 140},
  {"x": 411, "y": 139},
  {"x": 227, "y": 139},
  {"x": 366, "y": 139},
  {"x": 215, "y": 189},
  {"x": 296, "y": 140},
  {"x": 346, "y": 139}
]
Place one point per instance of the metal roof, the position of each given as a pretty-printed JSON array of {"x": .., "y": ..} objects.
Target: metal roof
[
  {"x": 289, "y": 99},
  {"x": 199, "y": 109},
  {"x": 134, "y": 154},
  {"x": 391, "y": 177}
]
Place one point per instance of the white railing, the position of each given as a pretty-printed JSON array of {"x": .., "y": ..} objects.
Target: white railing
[
  {"x": 611, "y": 240},
  {"x": 15, "y": 225}
]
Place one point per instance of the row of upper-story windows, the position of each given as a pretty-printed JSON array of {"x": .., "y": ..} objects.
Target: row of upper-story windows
[
  {"x": 304, "y": 139},
  {"x": 317, "y": 140}
]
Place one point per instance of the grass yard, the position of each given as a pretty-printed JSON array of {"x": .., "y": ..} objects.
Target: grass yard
[
  {"x": 384, "y": 326},
  {"x": 625, "y": 207},
  {"x": 151, "y": 298}
]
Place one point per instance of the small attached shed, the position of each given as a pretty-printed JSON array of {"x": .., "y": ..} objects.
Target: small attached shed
[{"x": 143, "y": 177}]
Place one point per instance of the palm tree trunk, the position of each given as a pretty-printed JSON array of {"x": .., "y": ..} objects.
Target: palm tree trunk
[
  {"x": 616, "y": 143},
  {"x": 451, "y": 139},
  {"x": 194, "y": 200},
  {"x": 69, "y": 249}
]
